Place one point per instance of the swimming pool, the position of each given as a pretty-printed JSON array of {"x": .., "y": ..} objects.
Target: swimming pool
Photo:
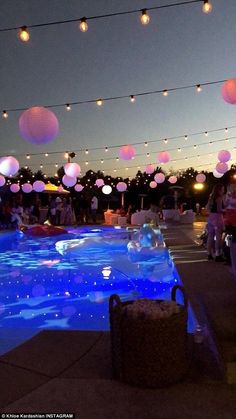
[{"x": 43, "y": 289}]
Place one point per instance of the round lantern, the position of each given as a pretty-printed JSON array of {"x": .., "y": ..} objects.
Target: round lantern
[
  {"x": 149, "y": 169},
  {"x": 72, "y": 169},
  {"x": 78, "y": 187},
  {"x": 163, "y": 157},
  {"x": 121, "y": 186},
  {"x": 153, "y": 184},
  {"x": 172, "y": 179},
  {"x": 27, "y": 187},
  {"x": 14, "y": 187},
  {"x": 60, "y": 188},
  {"x": 217, "y": 174},
  {"x": 38, "y": 125},
  {"x": 9, "y": 166},
  {"x": 2, "y": 180},
  {"x": 99, "y": 183},
  {"x": 222, "y": 167},
  {"x": 228, "y": 91},
  {"x": 200, "y": 177},
  {"x": 69, "y": 181},
  {"x": 127, "y": 152},
  {"x": 106, "y": 189},
  {"x": 38, "y": 186},
  {"x": 224, "y": 156},
  {"x": 159, "y": 178}
]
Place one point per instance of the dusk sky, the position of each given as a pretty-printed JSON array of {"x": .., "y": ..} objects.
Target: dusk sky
[{"x": 118, "y": 56}]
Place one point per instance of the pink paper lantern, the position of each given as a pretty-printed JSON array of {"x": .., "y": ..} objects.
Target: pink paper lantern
[
  {"x": 27, "y": 187},
  {"x": 222, "y": 167},
  {"x": 159, "y": 177},
  {"x": 60, "y": 188},
  {"x": 127, "y": 152},
  {"x": 149, "y": 169},
  {"x": 121, "y": 186},
  {"x": 38, "y": 186},
  {"x": 228, "y": 91},
  {"x": 9, "y": 166},
  {"x": 163, "y": 157},
  {"x": 69, "y": 181},
  {"x": 224, "y": 156},
  {"x": 153, "y": 184},
  {"x": 99, "y": 183},
  {"x": 14, "y": 187},
  {"x": 78, "y": 187},
  {"x": 38, "y": 125},
  {"x": 72, "y": 169},
  {"x": 200, "y": 177},
  {"x": 216, "y": 174},
  {"x": 2, "y": 180},
  {"x": 172, "y": 179}
]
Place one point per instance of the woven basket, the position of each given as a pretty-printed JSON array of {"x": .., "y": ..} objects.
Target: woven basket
[{"x": 147, "y": 352}]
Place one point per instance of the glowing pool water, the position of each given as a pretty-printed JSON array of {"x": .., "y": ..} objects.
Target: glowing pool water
[{"x": 42, "y": 289}]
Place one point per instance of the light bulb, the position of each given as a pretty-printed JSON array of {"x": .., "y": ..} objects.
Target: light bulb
[
  {"x": 28, "y": 156},
  {"x": 102, "y": 161},
  {"x": 206, "y": 134},
  {"x": 206, "y": 7},
  {"x": 66, "y": 155},
  {"x": 99, "y": 102},
  {"x": 24, "y": 34},
  {"x": 83, "y": 24},
  {"x": 86, "y": 151},
  {"x": 185, "y": 137},
  {"x": 132, "y": 98},
  {"x": 165, "y": 93},
  {"x": 198, "y": 88},
  {"x": 46, "y": 154},
  {"x": 226, "y": 129},
  {"x": 165, "y": 141},
  {"x": 144, "y": 18},
  {"x": 146, "y": 144},
  {"x": 68, "y": 107},
  {"x": 5, "y": 114},
  {"x": 86, "y": 163},
  {"x": 41, "y": 166},
  {"x": 179, "y": 150},
  {"x": 106, "y": 149},
  {"x": 148, "y": 154}
]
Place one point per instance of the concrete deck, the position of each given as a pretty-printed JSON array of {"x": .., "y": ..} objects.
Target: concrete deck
[{"x": 60, "y": 371}]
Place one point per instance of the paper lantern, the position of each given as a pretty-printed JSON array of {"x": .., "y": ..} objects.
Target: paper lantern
[
  {"x": 172, "y": 179},
  {"x": 224, "y": 156},
  {"x": 2, "y": 180},
  {"x": 78, "y": 187},
  {"x": 127, "y": 152},
  {"x": 149, "y": 169},
  {"x": 153, "y": 184},
  {"x": 106, "y": 189},
  {"x": 163, "y": 157},
  {"x": 14, "y": 187},
  {"x": 27, "y": 187},
  {"x": 200, "y": 177},
  {"x": 121, "y": 186},
  {"x": 38, "y": 125},
  {"x": 69, "y": 181},
  {"x": 72, "y": 169},
  {"x": 99, "y": 183},
  {"x": 60, "y": 188},
  {"x": 228, "y": 91},
  {"x": 9, "y": 166},
  {"x": 38, "y": 186},
  {"x": 217, "y": 174},
  {"x": 222, "y": 167},
  {"x": 159, "y": 177}
]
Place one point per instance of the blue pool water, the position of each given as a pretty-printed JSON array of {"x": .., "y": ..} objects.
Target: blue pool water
[{"x": 43, "y": 289}]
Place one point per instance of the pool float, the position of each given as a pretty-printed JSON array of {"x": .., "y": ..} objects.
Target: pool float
[
  {"x": 74, "y": 247},
  {"x": 43, "y": 230}
]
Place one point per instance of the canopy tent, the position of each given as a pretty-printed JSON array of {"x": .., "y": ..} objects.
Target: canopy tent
[{"x": 50, "y": 189}]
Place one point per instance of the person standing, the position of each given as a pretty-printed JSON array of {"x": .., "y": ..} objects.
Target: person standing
[
  {"x": 94, "y": 208},
  {"x": 215, "y": 223}
]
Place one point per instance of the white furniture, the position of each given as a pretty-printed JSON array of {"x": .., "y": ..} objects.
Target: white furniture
[
  {"x": 171, "y": 215},
  {"x": 114, "y": 219},
  {"x": 143, "y": 216},
  {"x": 107, "y": 215},
  {"x": 122, "y": 221}
]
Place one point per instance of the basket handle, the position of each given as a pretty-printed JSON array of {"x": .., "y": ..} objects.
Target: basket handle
[
  {"x": 114, "y": 298},
  {"x": 173, "y": 294}
]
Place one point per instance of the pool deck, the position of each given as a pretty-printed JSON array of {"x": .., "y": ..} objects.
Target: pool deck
[{"x": 67, "y": 371}]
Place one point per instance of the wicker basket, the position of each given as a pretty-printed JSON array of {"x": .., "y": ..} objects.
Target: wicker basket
[{"x": 147, "y": 352}]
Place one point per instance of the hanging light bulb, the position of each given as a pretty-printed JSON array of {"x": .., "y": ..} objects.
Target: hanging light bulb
[
  {"x": 206, "y": 7},
  {"x": 132, "y": 98},
  {"x": 179, "y": 150},
  {"x": 102, "y": 161},
  {"x": 106, "y": 149},
  {"x": 206, "y": 134},
  {"x": 117, "y": 158},
  {"x": 5, "y": 114},
  {"x": 165, "y": 93},
  {"x": 56, "y": 165},
  {"x": 86, "y": 151},
  {"x": 144, "y": 18},
  {"x": 66, "y": 155},
  {"x": 226, "y": 129},
  {"x": 198, "y": 88},
  {"x": 24, "y": 34},
  {"x": 41, "y": 166},
  {"x": 148, "y": 154},
  {"x": 146, "y": 144},
  {"x": 195, "y": 146},
  {"x": 165, "y": 141},
  {"x": 86, "y": 163},
  {"x": 83, "y": 24},
  {"x": 28, "y": 156},
  {"x": 99, "y": 102},
  {"x": 185, "y": 137},
  {"x": 68, "y": 107},
  {"x": 46, "y": 154}
]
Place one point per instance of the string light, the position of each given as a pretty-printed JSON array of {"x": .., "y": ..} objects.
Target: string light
[
  {"x": 46, "y": 154},
  {"x": 132, "y": 99},
  {"x": 206, "y": 133},
  {"x": 86, "y": 151},
  {"x": 41, "y": 166},
  {"x": 165, "y": 93},
  {"x": 106, "y": 149},
  {"x": 86, "y": 163},
  {"x": 148, "y": 154},
  {"x": 144, "y": 18},
  {"x": 5, "y": 114},
  {"x": 146, "y": 144},
  {"x": 28, "y": 156},
  {"x": 226, "y": 129},
  {"x": 165, "y": 141},
  {"x": 99, "y": 102},
  {"x": 83, "y": 24},
  {"x": 102, "y": 161},
  {"x": 24, "y": 34},
  {"x": 206, "y": 7},
  {"x": 179, "y": 150},
  {"x": 68, "y": 107},
  {"x": 185, "y": 137},
  {"x": 66, "y": 155},
  {"x": 198, "y": 88}
]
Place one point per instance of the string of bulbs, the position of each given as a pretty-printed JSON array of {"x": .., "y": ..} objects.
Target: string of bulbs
[{"x": 144, "y": 16}]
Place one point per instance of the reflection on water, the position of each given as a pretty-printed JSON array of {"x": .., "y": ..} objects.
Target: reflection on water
[{"x": 40, "y": 288}]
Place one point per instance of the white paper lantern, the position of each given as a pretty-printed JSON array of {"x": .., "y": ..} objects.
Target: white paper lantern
[
  {"x": 69, "y": 181},
  {"x": 9, "y": 166},
  {"x": 2, "y": 180},
  {"x": 121, "y": 186},
  {"x": 159, "y": 177},
  {"x": 106, "y": 189},
  {"x": 78, "y": 187},
  {"x": 38, "y": 186},
  {"x": 27, "y": 187},
  {"x": 153, "y": 184},
  {"x": 217, "y": 174},
  {"x": 200, "y": 177},
  {"x": 15, "y": 187},
  {"x": 72, "y": 169}
]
